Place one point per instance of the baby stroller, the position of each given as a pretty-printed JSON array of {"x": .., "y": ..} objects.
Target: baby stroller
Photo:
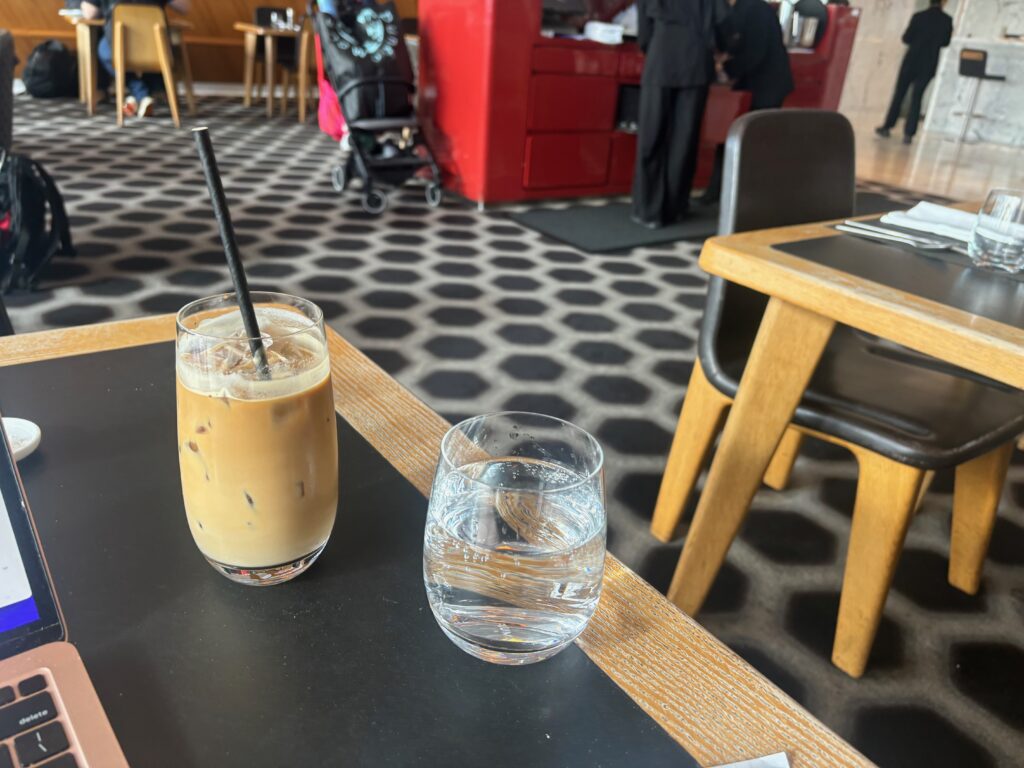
[{"x": 366, "y": 61}]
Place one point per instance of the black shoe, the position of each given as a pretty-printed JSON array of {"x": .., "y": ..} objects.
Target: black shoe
[
  {"x": 882, "y": 131},
  {"x": 649, "y": 224},
  {"x": 908, "y": 139}
]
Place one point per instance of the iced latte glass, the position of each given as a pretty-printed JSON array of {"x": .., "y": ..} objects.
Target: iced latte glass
[{"x": 258, "y": 453}]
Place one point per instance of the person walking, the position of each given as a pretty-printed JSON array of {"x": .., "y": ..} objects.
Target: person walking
[
  {"x": 677, "y": 37},
  {"x": 929, "y": 32}
]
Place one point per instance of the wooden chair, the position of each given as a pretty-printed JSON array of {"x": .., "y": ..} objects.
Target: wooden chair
[
  {"x": 902, "y": 414},
  {"x": 142, "y": 43},
  {"x": 6, "y": 329}
]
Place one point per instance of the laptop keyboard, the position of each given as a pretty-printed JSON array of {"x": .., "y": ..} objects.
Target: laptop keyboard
[{"x": 30, "y": 731}]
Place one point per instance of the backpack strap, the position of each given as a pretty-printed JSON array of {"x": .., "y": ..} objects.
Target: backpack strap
[{"x": 60, "y": 227}]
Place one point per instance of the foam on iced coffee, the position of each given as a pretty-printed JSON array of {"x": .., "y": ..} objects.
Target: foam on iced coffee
[{"x": 215, "y": 358}]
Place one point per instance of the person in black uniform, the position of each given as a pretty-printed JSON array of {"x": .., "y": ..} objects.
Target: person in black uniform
[
  {"x": 677, "y": 37},
  {"x": 929, "y": 32},
  {"x": 757, "y": 59}
]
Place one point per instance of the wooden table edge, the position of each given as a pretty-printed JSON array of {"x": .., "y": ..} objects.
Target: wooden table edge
[
  {"x": 971, "y": 341},
  {"x": 706, "y": 697}
]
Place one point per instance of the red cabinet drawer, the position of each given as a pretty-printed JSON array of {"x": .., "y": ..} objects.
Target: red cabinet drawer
[
  {"x": 566, "y": 160},
  {"x": 575, "y": 61},
  {"x": 620, "y": 169},
  {"x": 631, "y": 65},
  {"x": 572, "y": 103}
]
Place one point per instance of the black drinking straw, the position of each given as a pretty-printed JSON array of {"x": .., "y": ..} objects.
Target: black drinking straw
[{"x": 227, "y": 236}]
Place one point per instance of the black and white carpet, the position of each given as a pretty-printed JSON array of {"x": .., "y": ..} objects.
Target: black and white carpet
[{"x": 476, "y": 313}]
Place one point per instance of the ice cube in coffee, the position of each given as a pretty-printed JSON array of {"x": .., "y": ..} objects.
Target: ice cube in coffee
[{"x": 258, "y": 453}]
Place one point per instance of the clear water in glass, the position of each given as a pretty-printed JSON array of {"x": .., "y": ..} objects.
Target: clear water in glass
[
  {"x": 514, "y": 544},
  {"x": 997, "y": 240}
]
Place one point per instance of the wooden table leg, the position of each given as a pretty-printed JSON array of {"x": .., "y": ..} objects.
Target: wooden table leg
[
  {"x": 303, "y": 73},
  {"x": 270, "y": 56},
  {"x": 785, "y": 354},
  {"x": 91, "y": 67},
  {"x": 81, "y": 43},
  {"x": 250, "y": 66}
]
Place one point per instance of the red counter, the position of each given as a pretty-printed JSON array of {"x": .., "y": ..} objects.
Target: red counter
[{"x": 513, "y": 115}]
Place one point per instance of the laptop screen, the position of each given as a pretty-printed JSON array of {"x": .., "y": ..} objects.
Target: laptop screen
[{"x": 28, "y": 611}]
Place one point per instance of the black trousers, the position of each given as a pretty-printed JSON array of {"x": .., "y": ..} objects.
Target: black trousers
[
  {"x": 666, "y": 151},
  {"x": 915, "y": 83}
]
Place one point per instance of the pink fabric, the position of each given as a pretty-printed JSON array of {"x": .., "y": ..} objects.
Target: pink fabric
[{"x": 329, "y": 114}]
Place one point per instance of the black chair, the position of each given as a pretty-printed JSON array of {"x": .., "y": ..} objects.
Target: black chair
[
  {"x": 6, "y": 329},
  {"x": 902, "y": 414}
]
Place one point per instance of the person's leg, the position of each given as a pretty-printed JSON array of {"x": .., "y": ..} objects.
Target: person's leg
[
  {"x": 898, "y": 96},
  {"x": 914, "y": 115},
  {"x": 649, "y": 177},
  {"x": 687, "y": 117},
  {"x": 105, "y": 55}
]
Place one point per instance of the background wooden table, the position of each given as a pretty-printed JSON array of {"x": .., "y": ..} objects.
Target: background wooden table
[
  {"x": 303, "y": 39},
  {"x": 807, "y": 300},
  {"x": 707, "y": 698}
]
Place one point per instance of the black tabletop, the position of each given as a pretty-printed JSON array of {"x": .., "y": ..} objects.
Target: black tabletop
[
  {"x": 943, "y": 278},
  {"x": 343, "y": 666}
]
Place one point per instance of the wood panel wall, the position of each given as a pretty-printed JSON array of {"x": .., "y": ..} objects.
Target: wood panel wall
[{"x": 215, "y": 48}]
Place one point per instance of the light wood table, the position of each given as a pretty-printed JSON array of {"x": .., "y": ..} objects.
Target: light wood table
[
  {"x": 807, "y": 300},
  {"x": 303, "y": 36},
  {"x": 707, "y": 698},
  {"x": 87, "y": 35}
]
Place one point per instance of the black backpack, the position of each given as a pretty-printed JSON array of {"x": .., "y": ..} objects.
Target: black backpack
[
  {"x": 51, "y": 71},
  {"x": 27, "y": 240}
]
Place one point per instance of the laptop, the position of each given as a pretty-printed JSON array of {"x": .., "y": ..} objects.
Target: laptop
[{"x": 50, "y": 715}]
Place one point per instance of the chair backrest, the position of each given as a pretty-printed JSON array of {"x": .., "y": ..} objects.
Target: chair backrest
[
  {"x": 6, "y": 91},
  {"x": 6, "y": 329},
  {"x": 140, "y": 42},
  {"x": 782, "y": 167}
]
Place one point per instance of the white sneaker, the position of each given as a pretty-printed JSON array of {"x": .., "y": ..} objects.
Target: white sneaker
[
  {"x": 130, "y": 107},
  {"x": 146, "y": 107}
]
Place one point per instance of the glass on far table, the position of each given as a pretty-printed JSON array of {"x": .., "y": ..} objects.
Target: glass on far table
[
  {"x": 998, "y": 237},
  {"x": 514, "y": 546}
]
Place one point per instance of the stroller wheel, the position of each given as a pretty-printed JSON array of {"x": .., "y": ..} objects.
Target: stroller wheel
[
  {"x": 374, "y": 201},
  {"x": 434, "y": 194},
  {"x": 339, "y": 179}
]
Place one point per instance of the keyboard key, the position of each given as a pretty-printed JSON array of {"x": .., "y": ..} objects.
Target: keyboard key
[
  {"x": 5, "y": 757},
  {"x": 6, "y": 697},
  {"x": 31, "y": 685},
  {"x": 41, "y": 744},
  {"x": 64, "y": 761},
  {"x": 25, "y": 714}
]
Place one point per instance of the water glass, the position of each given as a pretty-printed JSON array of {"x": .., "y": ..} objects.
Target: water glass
[
  {"x": 513, "y": 552},
  {"x": 998, "y": 237}
]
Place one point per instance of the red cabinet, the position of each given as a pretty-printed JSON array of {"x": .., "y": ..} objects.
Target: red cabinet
[
  {"x": 566, "y": 160},
  {"x": 572, "y": 103}
]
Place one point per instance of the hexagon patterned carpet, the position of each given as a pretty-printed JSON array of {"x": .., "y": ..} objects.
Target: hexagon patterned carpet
[{"x": 475, "y": 313}]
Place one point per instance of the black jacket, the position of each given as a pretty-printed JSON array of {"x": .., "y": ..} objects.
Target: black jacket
[
  {"x": 759, "y": 60},
  {"x": 929, "y": 32},
  {"x": 678, "y": 38}
]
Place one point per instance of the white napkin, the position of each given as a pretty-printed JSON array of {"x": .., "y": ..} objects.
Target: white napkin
[
  {"x": 778, "y": 760},
  {"x": 935, "y": 219}
]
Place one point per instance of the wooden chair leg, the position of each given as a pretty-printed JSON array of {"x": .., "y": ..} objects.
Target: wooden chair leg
[
  {"x": 788, "y": 346},
  {"x": 249, "y": 65},
  {"x": 89, "y": 61},
  {"x": 118, "y": 52},
  {"x": 258, "y": 81},
  {"x": 887, "y": 494},
  {"x": 286, "y": 81},
  {"x": 700, "y": 419},
  {"x": 163, "y": 53},
  {"x": 81, "y": 41},
  {"x": 186, "y": 78},
  {"x": 978, "y": 486},
  {"x": 781, "y": 467},
  {"x": 926, "y": 485}
]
